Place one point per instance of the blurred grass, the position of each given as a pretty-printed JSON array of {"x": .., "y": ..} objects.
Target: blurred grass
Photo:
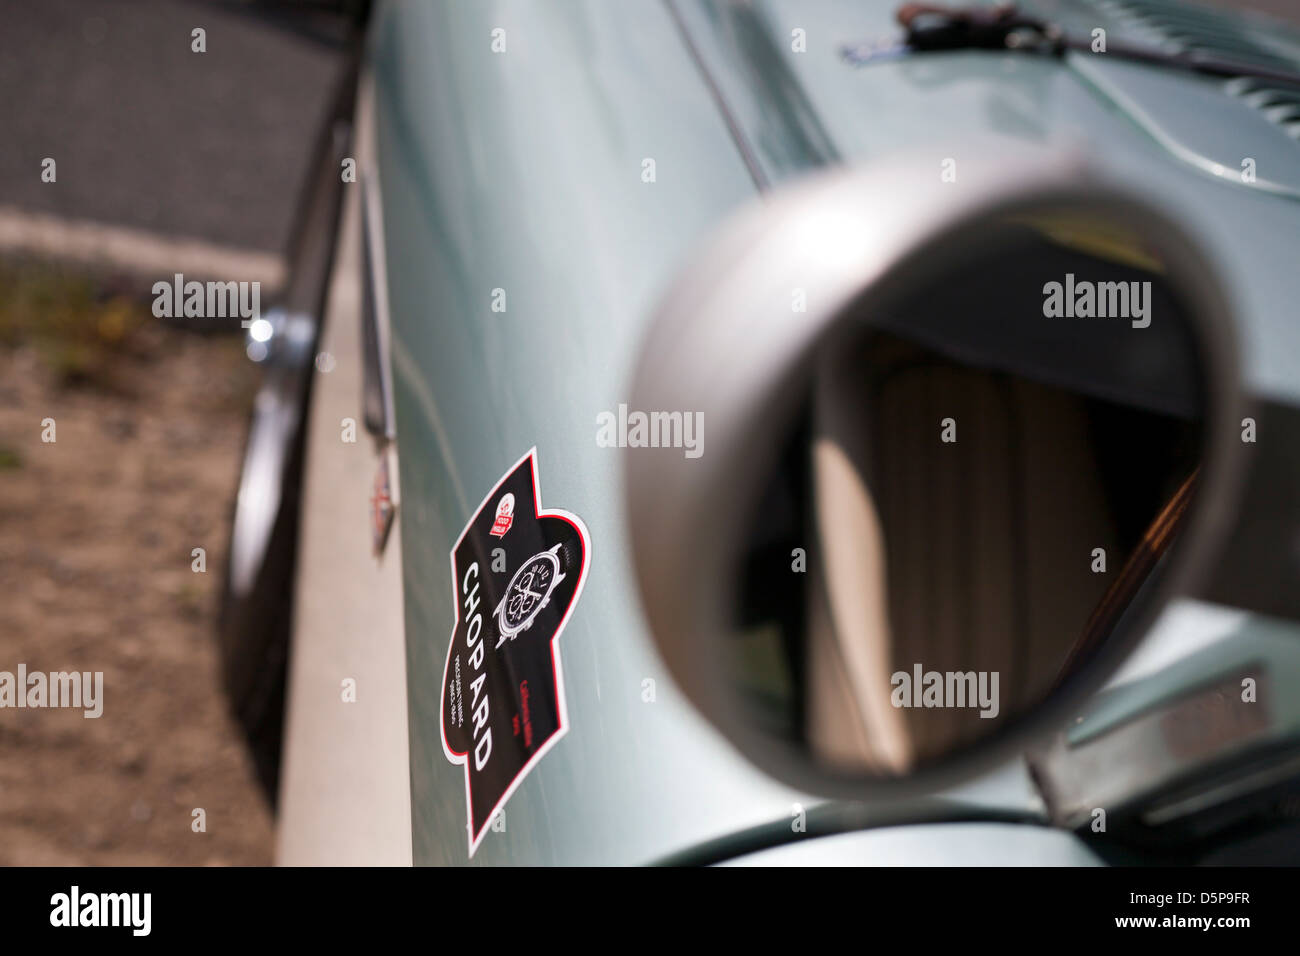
[
  {"x": 76, "y": 323},
  {"x": 95, "y": 332}
]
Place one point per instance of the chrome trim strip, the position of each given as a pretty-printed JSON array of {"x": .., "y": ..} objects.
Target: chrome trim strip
[{"x": 377, "y": 381}]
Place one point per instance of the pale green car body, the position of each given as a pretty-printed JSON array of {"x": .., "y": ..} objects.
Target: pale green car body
[{"x": 525, "y": 171}]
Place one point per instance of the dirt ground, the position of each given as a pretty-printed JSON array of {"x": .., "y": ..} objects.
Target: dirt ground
[{"x": 97, "y": 531}]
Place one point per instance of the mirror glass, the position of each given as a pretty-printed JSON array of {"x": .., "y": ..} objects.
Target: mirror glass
[{"x": 984, "y": 482}]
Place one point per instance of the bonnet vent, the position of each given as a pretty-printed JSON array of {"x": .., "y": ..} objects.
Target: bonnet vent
[{"x": 1178, "y": 28}]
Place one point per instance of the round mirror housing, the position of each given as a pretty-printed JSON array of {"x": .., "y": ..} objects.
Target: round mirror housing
[{"x": 962, "y": 444}]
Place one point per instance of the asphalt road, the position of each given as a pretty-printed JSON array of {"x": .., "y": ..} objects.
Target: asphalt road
[{"x": 147, "y": 133}]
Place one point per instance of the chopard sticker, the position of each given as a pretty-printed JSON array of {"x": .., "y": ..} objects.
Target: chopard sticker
[{"x": 503, "y": 687}]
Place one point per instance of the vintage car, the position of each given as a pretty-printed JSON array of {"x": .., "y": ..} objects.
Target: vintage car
[{"x": 785, "y": 431}]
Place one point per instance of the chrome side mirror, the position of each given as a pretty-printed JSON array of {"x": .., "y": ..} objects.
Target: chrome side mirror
[{"x": 964, "y": 443}]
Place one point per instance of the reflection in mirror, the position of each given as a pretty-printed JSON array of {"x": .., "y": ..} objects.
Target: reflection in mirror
[{"x": 986, "y": 479}]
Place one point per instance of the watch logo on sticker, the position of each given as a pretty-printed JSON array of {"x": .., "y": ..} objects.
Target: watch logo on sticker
[{"x": 503, "y": 686}]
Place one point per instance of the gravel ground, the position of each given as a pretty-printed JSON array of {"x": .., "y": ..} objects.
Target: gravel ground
[
  {"x": 96, "y": 535},
  {"x": 97, "y": 529}
]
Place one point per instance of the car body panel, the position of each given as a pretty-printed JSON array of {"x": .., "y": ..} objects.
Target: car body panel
[
  {"x": 1162, "y": 721},
  {"x": 568, "y": 230},
  {"x": 565, "y": 231},
  {"x": 523, "y": 171},
  {"x": 932, "y": 844}
]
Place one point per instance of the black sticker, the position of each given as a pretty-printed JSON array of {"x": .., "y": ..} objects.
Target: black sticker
[{"x": 517, "y": 571}]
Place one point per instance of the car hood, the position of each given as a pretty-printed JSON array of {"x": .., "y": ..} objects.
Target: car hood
[
  {"x": 822, "y": 104},
  {"x": 1183, "y": 136}
]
